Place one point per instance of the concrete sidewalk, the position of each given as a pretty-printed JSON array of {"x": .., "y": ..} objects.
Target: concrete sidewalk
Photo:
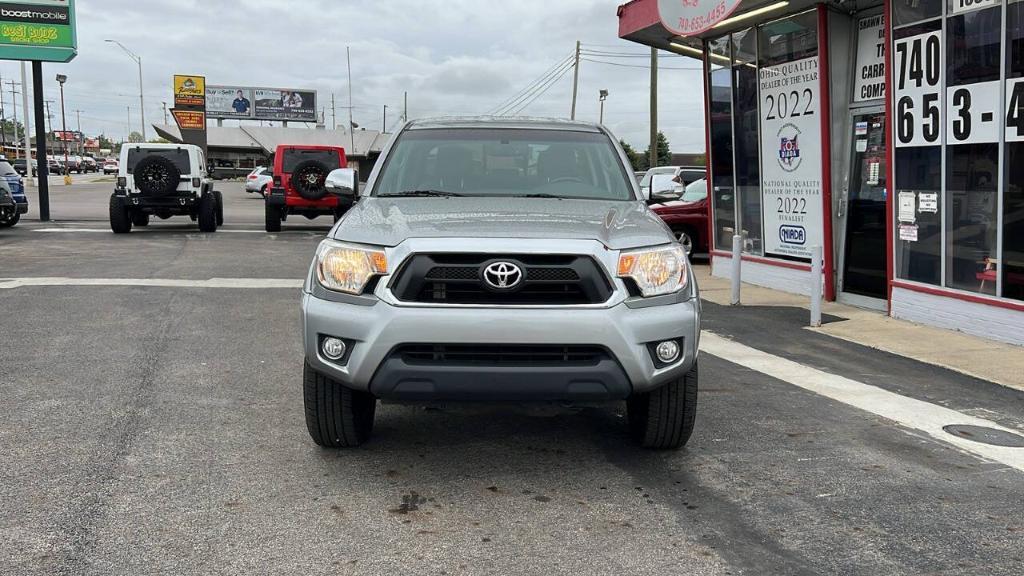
[{"x": 986, "y": 359}]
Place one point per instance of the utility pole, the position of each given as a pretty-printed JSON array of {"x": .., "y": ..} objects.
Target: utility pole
[
  {"x": 28, "y": 143},
  {"x": 14, "y": 138},
  {"x": 81, "y": 141},
  {"x": 653, "y": 161},
  {"x": 49, "y": 117},
  {"x": 575, "y": 80},
  {"x": 351, "y": 126},
  {"x": 166, "y": 120},
  {"x": 405, "y": 106},
  {"x": 3, "y": 120},
  {"x": 334, "y": 114},
  {"x": 384, "y": 123}
]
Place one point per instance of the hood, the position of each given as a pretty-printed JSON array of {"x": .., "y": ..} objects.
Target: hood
[{"x": 389, "y": 221}]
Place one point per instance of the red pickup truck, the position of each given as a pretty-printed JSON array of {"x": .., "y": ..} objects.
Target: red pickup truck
[{"x": 688, "y": 217}]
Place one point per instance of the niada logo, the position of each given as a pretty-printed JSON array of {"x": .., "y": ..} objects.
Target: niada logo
[
  {"x": 789, "y": 148},
  {"x": 793, "y": 235}
]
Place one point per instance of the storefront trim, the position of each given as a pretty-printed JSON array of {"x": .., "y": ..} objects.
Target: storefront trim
[
  {"x": 957, "y": 295},
  {"x": 890, "y": 152},
  {"x": 826, "y": 153}
]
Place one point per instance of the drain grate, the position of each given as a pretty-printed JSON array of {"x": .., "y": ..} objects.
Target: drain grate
[{"x": 985, "y": 435}]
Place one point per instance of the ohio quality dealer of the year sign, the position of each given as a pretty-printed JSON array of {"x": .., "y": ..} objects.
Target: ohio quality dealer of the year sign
[{"x": 791, "y": 157}]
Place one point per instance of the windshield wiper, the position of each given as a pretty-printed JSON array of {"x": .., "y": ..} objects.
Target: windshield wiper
[
  {"x": 538, "y": 195},
  {"x": 422, "y": 193}
]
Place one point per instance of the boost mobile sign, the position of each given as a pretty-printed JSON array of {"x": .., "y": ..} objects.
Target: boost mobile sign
[
  {"x": 791, "y": 158},
  {"x": 689, "y": 17},
  {"x": 41, "y": 30}
]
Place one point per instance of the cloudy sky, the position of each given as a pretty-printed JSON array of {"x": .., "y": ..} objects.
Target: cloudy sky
[{"x": 455, "y": 57}]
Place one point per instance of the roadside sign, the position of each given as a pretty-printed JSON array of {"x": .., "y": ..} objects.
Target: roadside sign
[
  {"x": 42, "y": 30},
  {"x": 189, "y": 90},
  {"x": 691, "y": 17},
  {"x": 189, "y": 119}
]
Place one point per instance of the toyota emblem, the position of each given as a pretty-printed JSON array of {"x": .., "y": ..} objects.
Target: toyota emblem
[{"x": 503, "y": 275}]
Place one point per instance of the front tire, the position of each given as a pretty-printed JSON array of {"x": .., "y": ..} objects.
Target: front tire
[
  {"x": 336, "y": 416},
  {"x": 120, "y": 217},
  {"x": 207, "y": 213},
  {"x": 663, "y": 418},
  {"x": 273, "y": 218},
  {"x": 9, "y": 219}
]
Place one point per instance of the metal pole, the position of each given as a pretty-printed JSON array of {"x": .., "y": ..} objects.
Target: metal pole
[
  {"x": 44, "y": 188},
  {"x": 14, "y": 128},
  {"x": 601, "y": 120},
  {"x": 64, "y": 137},
  {"x": 3, "y": 121},
  {"x": 575, "y": 80},
  {"x": 142, "y": 101},
  {"x": 737, "y": 261},
  {"x": 384, "y": 124},
  {"x": 28, "y": 141},
  {"x": 405, "y": 107},
  {"x": 334, "y": 114},
  {"x": 815, "y": 286},
  {"x": 166, "y": 119},
  {"x": 652, "y": 161},
  {"x": 351, "y": 129}
]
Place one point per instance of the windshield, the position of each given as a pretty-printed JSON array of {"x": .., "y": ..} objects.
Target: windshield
[
  {"x": 654, "y": 171},
  {"x": 177, "y": 155},
  {"x": 6, "y": 169},
  {"x": 697, "y": 190},
  {"x": 505, "y": 162}
]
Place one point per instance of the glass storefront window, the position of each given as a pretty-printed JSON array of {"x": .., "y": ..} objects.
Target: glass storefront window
[
  {"x": 919, "y": 244},
  {"x": 789, "y": 39},
  {"x": 972, "y": 45},
  {"x": 910, "y": 11},
  {"x": 971, "y": 203},
  {"x": 720, "y": 127},
  {"x": 745, "y": 112},
  {"x": 1012, "y": 260}
]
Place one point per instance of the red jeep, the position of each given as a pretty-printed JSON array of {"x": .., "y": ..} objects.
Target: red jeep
[{"x": 299, "y": 174}]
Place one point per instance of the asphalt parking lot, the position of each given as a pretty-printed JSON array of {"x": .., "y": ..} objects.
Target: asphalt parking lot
[{"x": 158, "y": 427}]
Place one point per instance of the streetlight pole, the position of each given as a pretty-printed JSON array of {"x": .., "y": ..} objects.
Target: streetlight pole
[
  {"x": 142, "y": 101},
  {"x": 602, "y": 95},
  {"x": 61, "y": 79}
]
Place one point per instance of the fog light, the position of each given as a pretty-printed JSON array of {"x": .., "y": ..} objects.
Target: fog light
[
  {"x": 333, "y": 348},
  {"x": 668, "y": 351}
]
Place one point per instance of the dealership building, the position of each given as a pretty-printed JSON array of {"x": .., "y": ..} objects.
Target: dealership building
[{"x": 890, "y": 134}]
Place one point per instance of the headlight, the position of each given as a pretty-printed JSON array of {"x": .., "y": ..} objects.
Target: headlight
[
  {"x": 656, "y": 271},
  {"x": 347, "y": 268}
]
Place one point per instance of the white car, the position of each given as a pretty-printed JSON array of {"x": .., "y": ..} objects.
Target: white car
[{"x": 259, "y": 180}]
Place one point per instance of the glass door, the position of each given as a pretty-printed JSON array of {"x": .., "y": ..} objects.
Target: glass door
[{"x": 863, "y": 267}]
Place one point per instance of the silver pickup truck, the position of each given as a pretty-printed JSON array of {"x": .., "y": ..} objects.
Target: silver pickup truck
[{"x": 497, "y": 259}]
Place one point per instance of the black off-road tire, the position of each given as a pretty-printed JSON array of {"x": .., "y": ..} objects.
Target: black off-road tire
[
  {"x": 207, "y": 215},
  {"x": 336, "y": 416},
  {"x": 220, "y": 207},
  {"x": 140, "y": 219},
  {"x": 664, "y": 418},
  {"x": 308, "y": 179},
  {"x": 156, "y": 175},
  {"x": 120, "y": 216},
  {"x": 273, "y": 217}
]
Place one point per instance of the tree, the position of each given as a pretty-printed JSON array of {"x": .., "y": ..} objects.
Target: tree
[
  {"x": 135, "y": 137},
  {"x": 106, "y": 143},
  {"x": 12, "y": 130},
  {"x": 635, "y": 160},
  {"x": 664, "y": 153}
]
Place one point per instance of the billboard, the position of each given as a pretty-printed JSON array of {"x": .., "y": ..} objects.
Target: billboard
[
  {"x": 38, "y": 30},
  {"x": 242, "y": 102}
]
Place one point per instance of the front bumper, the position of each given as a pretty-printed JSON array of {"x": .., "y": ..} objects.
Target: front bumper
[
  {"x": 22, "y": 206},
  {"x": 376, "y": 329}
]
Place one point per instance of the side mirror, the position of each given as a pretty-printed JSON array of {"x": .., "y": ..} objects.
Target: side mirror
[{"x": 342, "y": 182}]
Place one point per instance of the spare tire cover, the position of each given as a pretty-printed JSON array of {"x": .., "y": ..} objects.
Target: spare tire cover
[
  {"x": 156, "y": 175},
  {"x": 308, "y": 179}
]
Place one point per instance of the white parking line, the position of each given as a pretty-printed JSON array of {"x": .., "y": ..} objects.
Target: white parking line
[
  {"x": 917, "y": 414},
  {"x": 245, "y": 283}
]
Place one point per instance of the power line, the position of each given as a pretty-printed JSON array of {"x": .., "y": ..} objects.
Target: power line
[
  {"x": 628, "y": 54},
  {"x": 641, "y": 65},
  {"x": 542, "y": 91},
  {"x": 512, "y": 101}
]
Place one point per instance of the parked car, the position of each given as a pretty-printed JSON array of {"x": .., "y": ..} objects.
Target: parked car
[
  {"x": 20, "y": 166},
  {"x": 73, "y": 164},
  {"x": 645, "y": 182},
  {"x": 55, "y": 166},
  {"x": 164, "y": 180},
  {"x": 8, "y": 208},
  {"x": 298, "y": 184},
  {"x": 88, "y": 164},
  {"x": 259, "y": 180},
  {"x": 499, "y": 260},
  {"x": 110, "y": 167},
  {"x": 688, "y": 217},
  {"x": 16, "y": 188}
]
